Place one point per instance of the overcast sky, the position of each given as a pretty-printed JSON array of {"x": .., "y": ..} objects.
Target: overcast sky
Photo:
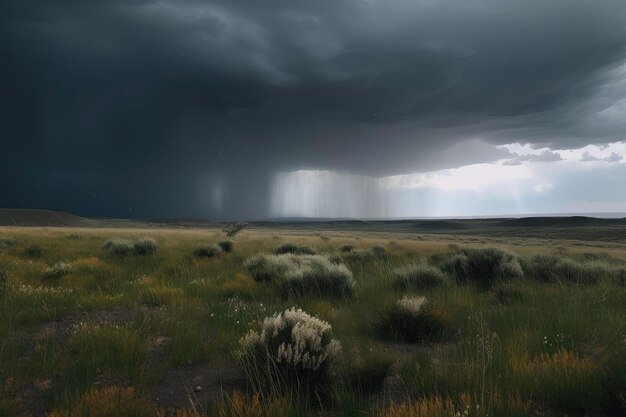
[{"x": 255, "y": 109}]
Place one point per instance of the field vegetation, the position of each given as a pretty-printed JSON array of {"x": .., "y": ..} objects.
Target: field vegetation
[{"x": 165, "y": 322}]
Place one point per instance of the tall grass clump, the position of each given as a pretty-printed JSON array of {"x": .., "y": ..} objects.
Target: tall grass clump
[
  {"x": 613, "y": 382},
  {"x": 294, "y": 249},
  {"x": 418, "y": 276},
  {"x": 296, "y": 275},
  {"x": 145, "y": 246},
  {"x": 113, "y": 348},
  {"x": 226, "y": 245},
  {"x": 414, "y": 320},
  {"x": 563, "y": 380},
  {"x": 482, "y": 266},
  {"x": 291, "y": 350},
  {"x": 106, "y": 402},
  {"x": 378, "y": 251}
]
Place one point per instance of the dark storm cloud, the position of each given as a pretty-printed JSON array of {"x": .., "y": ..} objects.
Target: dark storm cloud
[{"x": 101, "y": 99}]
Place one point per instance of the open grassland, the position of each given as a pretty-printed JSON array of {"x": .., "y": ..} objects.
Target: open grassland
[{"x": 156, "y": 322}]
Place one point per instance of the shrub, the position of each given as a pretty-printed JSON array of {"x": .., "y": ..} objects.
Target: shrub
[
  {"x": 291, "y": 350},
  {"x": 346, "y": 248},
  {"x": 226, "y": 245},
  {"x": 296, "y": 275},
  {"x": 482, "y": 266},
  {"x": 369, "y": 375},
  {"x": 119, "y": 247},
  {"x": 418, "y": 276},
  {"x": 413, "y": 320},
  {"x": 3, "y": 279},
  {"x": 551, "y": 268},
  {"x": 231, "y": 229},
  {"x": 6, "y": 241},
  {"x": 145, "y": 246},
  {"x": 32, "y": 251},
  {"x": 294, "y": 249},
  {"x": 378, "y": 251},
  {"x": 57, "y": 271},
  {"x": 207, "y": 251},
  {"x": 362, "y": 254}
]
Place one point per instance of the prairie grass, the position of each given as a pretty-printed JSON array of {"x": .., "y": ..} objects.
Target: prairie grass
[{"x": 549, "y": 339}]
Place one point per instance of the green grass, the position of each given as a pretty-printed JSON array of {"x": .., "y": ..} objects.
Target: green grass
[{"x": 547, "y": 339}]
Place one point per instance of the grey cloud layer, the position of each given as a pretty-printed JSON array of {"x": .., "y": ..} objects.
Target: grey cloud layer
[{"x": 103, "y": 97}]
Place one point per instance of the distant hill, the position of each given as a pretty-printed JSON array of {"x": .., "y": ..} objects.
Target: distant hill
[
  {"x": 572, "y": 221},
  {"x": 33, "y": 217}
]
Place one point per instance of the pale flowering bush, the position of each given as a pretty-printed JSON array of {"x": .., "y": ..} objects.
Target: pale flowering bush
[
  {"x": 296, "y": 275},
  {"x": 291, "y": 349},
  {"x": 57, "y": 270},
  {"x": 414, "y": 319}
]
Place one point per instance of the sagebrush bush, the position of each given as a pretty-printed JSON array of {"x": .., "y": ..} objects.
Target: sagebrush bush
[
  {"x": 346, "y": 248},
  {"x": 57, "y": 270},
  {"x": 414, "y": 320},
  {"x": 33, "y": 251},
  {"x": 482, "y": 266},
  {"x": 6, "y": 241},
  {"x": 296, "y": 275},
  {"x": 291, "y": 350},
  {"x": 294, "y": 249},
  {"x": 3, "y": 279},
  {"x": 226, "y": 245},
  {"x": 207, "y": 251},
  {"x": 367, "y": 376},
  {"x": 378, "y": 251},
  {"x": 119, "y": 247},
  {"x": 418, "y": 276},
  {"x": 585, "y": 270},
  {"x": 145, "y": 246}
]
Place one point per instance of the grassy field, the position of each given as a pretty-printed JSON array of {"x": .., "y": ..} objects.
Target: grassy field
[{"x": 429, "y": 324}]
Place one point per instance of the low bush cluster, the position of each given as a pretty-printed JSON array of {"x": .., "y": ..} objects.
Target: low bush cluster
[
  {"x": 368, "y": 375},
  {"x": 124, "y": 247},
  {"x": 291, "y": 350},
  {"x": 414, "y": 320},
  {"x": 6, "y": 241},
  {"x": 209, "y": 251},
  {"x": 226, "y": 245},
  {"x": 57, "y": 270},
  {"x": 145, "y": 246},
  {"x": 32, "y": 251},
  {"x": 418, "y": 276},
  {"x": 294, "y": 249},
  {"x": 296, "y": 275},
  {"x": 579, "y": 270},
  {"x": 482, "y": 266},
  {"x": 346, "y": 248}
]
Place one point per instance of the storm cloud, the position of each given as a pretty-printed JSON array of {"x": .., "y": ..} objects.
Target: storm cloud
[{"x": 192, "y": 108}]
